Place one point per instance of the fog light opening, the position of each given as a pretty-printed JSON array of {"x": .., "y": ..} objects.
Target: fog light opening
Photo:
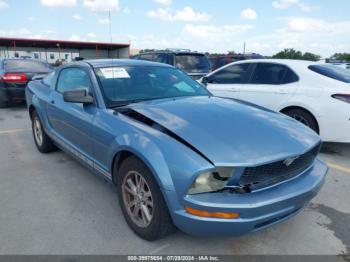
[{"x": 201, "y": 213}]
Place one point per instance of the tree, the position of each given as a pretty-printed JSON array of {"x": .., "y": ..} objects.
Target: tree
[
  {"x": 311, "y": 57},
  {"x": 297, "y": 55},
  {"x": 289, "y": 54},
  {"x": 342, "y": 56}
]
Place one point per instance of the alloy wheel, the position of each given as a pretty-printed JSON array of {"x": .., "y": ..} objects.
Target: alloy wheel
[
  {"x": 38, "y": 134},
  {"x": 137, "y": 199}
]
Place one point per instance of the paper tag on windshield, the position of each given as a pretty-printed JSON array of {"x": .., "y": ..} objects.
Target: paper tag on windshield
[{"x": 115, "y": 72}]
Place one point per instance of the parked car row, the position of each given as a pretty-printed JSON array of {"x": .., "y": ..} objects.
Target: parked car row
[{"x": 193, "y": 63}]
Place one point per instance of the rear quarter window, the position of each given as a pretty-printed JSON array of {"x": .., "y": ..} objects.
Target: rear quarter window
[
  {"x": 47, "y": 80},
  {"x": 273, "y": 74},
  {"x": 332, "y": 71}
]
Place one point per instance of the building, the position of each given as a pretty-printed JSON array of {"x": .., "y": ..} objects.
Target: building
[{"x": 53, "y": 51}]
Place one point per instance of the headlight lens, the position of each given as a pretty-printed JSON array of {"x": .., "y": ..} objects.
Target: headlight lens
[{"x": 211, "y": 181}]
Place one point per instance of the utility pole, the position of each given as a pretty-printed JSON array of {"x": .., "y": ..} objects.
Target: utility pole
[
  {"x": 244, "y": 45},
  {"x": 110, "y": 26}
]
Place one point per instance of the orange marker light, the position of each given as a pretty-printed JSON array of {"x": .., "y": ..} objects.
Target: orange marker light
[{"x": 201, "y": 213}]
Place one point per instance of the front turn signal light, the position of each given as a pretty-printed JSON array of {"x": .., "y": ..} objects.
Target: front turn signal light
[{"x": 201, "y": 213}]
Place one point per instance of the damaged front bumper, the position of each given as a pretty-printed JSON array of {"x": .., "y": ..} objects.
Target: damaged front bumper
[{"x": 257, "y": 210}]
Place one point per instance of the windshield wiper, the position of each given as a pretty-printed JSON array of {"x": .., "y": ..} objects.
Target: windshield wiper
[{"x": 126, "y": 103}]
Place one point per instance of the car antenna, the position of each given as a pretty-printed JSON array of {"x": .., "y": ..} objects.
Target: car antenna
[{"x": 111, "y": 38}]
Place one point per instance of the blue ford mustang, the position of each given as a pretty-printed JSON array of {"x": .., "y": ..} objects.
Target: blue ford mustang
[{"x": 178, "y": 156}]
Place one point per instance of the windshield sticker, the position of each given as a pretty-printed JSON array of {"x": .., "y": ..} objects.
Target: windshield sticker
[{"x": 114, "y": 72}]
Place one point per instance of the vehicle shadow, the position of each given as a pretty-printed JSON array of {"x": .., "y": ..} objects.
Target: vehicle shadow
[{"x": 342, "y": 149}]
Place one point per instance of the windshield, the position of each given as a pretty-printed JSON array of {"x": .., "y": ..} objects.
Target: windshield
[
  {"x": 27, "y": 66},
  {"x": 192, "y": 63},
  {"x": 123, "y": 85},
  {"x": 332, "y": 71}
]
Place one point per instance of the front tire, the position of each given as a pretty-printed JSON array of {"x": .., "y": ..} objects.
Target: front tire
[
  {"x": 42, "y": 141},
  {"x": 141, "y": 201},
  {"x": 303, "y": 117}
]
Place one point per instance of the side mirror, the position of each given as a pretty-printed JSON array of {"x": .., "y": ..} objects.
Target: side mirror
[{"x": 78, "y": 96}]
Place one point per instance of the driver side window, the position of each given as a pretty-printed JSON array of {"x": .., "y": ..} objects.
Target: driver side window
[
  {"x": 233, "y": 74},
  {"x": 73, "y": 78}
]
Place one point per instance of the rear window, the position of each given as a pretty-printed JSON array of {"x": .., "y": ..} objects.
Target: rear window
[
  {"x": 29, "y": 66},
  {"x": 332, "y": 71},
  {"x": 272, "y": 74},
  {"x": 192, "y": 63}
]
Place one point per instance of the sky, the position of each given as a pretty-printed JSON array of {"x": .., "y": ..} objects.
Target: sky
[{"x": 266, "y": 26}]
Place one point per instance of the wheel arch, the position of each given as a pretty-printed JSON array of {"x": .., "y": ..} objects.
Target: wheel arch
[
  {"x": 152, "y": 162},
  {"x": 31, "y": 109},
  {"x": 288, "y": 108}
]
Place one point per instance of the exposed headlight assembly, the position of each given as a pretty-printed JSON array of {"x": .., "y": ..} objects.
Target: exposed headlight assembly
[{"x": 211, "y": 181}]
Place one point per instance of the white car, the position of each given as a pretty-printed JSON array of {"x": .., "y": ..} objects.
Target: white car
[
  {"x": 343, "y": 65},
  {"x": 318, "y": 95}
]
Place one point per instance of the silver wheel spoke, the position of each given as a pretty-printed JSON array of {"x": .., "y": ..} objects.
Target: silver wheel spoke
[
  {"x": 131, "y": 185},
  {"x": 147, "y": 194},
  {"x": 131, "y": 204},
  {"x": 149, "y": 203},
  {"x": 145, "y": 213},
  {"x": 142, "y": 185},
  {"x": 136, "y": 210}
]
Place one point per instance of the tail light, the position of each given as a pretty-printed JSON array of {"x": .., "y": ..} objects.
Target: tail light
[
  {"x": 342, "y": 97},
  {"x": 14, "y": 78}
]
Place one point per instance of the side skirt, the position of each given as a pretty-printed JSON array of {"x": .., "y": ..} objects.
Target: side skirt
[{"x": 86, "y": 161}]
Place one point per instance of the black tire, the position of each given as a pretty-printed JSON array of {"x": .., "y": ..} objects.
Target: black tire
[
  {"x": 160, "y": 224},
  {"x": 45, "y": 144},
  {"x": 303, "y": 117},
  {"x": 4, "y": 104}
]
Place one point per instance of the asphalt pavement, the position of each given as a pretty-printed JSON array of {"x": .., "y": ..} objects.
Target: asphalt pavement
[{"x": 50, "y": 204}]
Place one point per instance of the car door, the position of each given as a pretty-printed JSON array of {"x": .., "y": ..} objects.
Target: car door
[
  {"x": 72, "y": 123},
  {"x": 228, "y": 81},
  {"x": 270, "y": 85}
]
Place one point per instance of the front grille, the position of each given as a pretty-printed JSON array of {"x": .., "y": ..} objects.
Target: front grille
[{"x": 270, "y": 174}]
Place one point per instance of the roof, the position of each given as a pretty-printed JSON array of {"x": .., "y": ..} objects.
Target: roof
[
  {"x": 123, "y": 62},
  {"x": 43, "y": 43},
  {"x": 175, "y": 51},
  {"x": 281, "y": 61}
]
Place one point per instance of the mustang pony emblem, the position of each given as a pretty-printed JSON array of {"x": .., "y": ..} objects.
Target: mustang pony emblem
[{"x": 290, "y": 161}]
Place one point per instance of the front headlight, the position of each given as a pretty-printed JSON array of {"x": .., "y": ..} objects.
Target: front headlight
[{"x": 211, "y": 181}]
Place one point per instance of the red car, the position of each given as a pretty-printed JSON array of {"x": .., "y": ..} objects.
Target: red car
[
  {"x": 15, "y": 73},
  {"x": 218, "y": 61}
]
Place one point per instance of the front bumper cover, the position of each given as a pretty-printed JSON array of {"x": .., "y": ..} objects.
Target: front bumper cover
[{"x": 257, "y": 210}]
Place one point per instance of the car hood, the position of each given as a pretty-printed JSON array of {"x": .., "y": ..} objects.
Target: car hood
[{"x": 230, "y": 132}]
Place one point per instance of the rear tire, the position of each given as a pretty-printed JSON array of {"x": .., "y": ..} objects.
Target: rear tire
[
  {"x": 303, "y": 117},
  {"x": 4, "y": 104},
  {"x": 42, "y": 141},
  {"x": 141, "y": 200}
]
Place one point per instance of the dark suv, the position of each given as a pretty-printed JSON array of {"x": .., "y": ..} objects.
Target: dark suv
[
  {"x": 15, "y": 73},
  {"x": 218, "y": 61},
  {"x": 194, "y": 64}
]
